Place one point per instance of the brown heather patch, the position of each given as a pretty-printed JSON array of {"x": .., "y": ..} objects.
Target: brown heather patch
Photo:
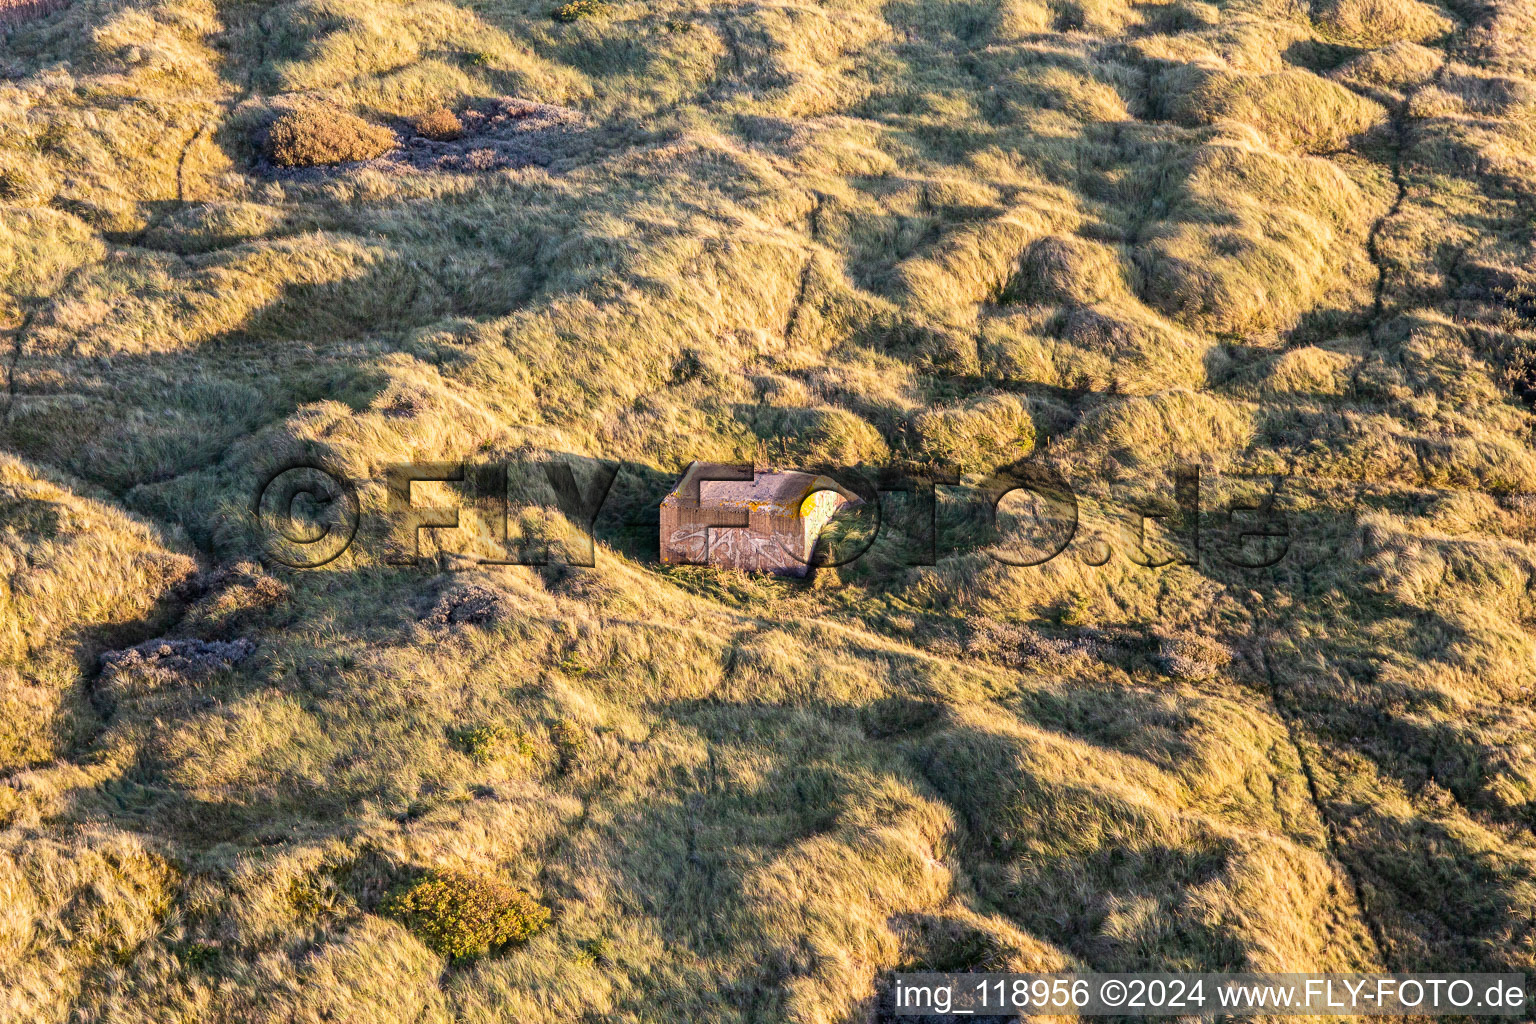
[
  {"x": 440, "y": 125},
  {"x": 319, "y": 135}
]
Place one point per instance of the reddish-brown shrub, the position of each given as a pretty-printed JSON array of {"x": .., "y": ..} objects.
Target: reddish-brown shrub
[
  {"x": 441, "y": 125},
  {"x": 325, "y": 135}
]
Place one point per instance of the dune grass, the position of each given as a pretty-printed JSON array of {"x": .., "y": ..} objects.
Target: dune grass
[{"x": 1289, "y": 245}]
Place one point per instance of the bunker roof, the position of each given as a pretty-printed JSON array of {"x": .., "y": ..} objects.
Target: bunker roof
[{"x": 779, "y": 491}]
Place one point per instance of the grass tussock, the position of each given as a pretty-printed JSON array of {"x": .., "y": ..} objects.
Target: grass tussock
[
  {"x": 1293, "y": 109},
  {"x": 1398, "y": 67},
  {"x": 1253, "y": 238},
  {"x": 1066, "y": 270},
  {"x": 78, "y": 574},
  {"x": 1182, "y": 426},
  {"x": 1382, "y": 22},
  {"x": 987, "y": 433}
]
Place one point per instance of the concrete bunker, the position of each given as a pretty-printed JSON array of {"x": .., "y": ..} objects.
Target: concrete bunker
[{"x": 721, "y": 514}]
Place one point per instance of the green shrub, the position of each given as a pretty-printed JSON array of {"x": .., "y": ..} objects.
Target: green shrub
[
  {"x": 441, "y": 125},
  {"x": 487, "y": 743},
  {"x": 594, "y": 951},
  {"x": 325, "y": 135},
  {"x": 578, "y": 9},
  {"x": 198, "y": 956},
  {"x": 313, "y": 899},
  {"x": 462, "y": 917},
  {"x": 1073, "y": 610}
]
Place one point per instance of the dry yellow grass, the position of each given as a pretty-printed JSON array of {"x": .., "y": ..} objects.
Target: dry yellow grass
[
  {"x": 77, "y": 573},
  {"x": 1278, "y": 242}
]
